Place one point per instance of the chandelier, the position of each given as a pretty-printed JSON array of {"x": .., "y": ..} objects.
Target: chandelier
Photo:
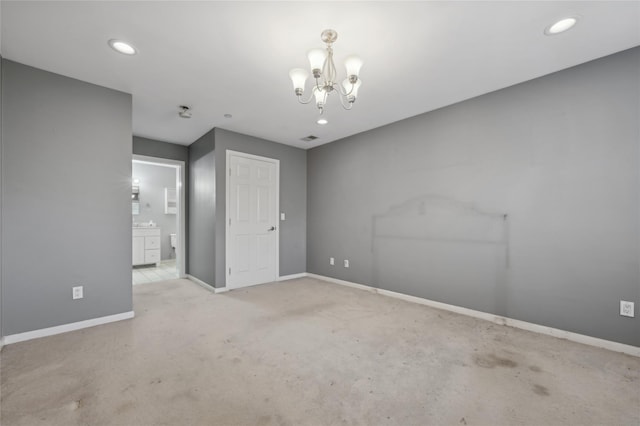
[{"x": 323, "y": 70}]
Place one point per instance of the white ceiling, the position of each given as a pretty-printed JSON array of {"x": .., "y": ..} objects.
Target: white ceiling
[{"x": 234, "y": 57}]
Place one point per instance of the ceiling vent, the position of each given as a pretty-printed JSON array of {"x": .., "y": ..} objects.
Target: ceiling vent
[{"x": 309, "y": 138}]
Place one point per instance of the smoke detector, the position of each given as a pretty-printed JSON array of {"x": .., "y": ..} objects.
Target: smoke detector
[{"x": 185, "y": 111}]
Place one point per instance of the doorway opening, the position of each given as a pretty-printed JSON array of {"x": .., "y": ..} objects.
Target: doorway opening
[{"x": 158, "y": 219}]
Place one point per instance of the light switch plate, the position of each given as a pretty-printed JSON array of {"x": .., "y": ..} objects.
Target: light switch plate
[{"x": 281, "y": 216}]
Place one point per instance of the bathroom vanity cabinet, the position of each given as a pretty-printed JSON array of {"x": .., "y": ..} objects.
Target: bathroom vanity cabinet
[{"x": 146, "y": 246}]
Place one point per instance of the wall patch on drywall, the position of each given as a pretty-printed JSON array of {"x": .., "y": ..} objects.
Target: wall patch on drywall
[{"x": 443, "y": 247}]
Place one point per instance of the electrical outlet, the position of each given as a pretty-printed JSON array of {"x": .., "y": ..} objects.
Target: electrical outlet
[
  {"x": 332, "y": 261},
  {"x": 346, "y": 263},
  {"x": 626, "y": 309},
  {"x": 77, "y": 293}
]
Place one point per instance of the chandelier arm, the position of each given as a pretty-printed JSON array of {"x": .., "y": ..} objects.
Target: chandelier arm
[
  {"x": 325, "y": 68},
  {"x": 307, "y": 101},
  {"x": 332, "y": 68},
  {"x": 343, "y": 105},
  {"x": 339, "y": 89},
  {"x": 342, "y": 90}
]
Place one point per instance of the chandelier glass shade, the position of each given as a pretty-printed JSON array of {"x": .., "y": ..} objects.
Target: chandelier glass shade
[{"x": 323, "y": 70}]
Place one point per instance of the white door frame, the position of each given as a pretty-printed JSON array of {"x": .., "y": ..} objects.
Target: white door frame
[
  {"x": 276, "y": 211},
  {"x": 181, "y": 218}
]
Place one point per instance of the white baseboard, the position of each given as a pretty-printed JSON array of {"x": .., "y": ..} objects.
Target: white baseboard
[
  {"x": 65, "y": 328},
  {"x": 201, "y": 283},
  {"x": 497, "y": 319},
  {"x": 206, "y": 286},
  {"x": 342, "y": 282},
  {"x": 292, "y": 276}
]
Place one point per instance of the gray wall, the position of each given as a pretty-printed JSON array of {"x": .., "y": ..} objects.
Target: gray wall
[
  {"x": 523, "y": 202},
  {"x": 293, "y": 198},
  {"x": 158, "y": 149},
  {"x": 153, "y": 180},
  {"x": 202, "y": 209},
  {"x": 1, "y": 196},
  {"x": 67, "y": 194}
]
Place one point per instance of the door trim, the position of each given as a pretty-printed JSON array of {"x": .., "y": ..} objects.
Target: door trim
[
  {"x": 276, "y": 212},
  {"x": 180, "y": 187}
]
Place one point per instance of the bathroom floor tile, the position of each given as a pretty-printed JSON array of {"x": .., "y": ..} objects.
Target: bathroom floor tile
[{"x": 165, "y": 270}]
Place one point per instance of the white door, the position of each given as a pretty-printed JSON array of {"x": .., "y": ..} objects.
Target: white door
[{"x": 252, "y": 213}]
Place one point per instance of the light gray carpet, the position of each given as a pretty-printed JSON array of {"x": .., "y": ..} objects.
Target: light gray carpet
[{"x": 306, "y": 352}]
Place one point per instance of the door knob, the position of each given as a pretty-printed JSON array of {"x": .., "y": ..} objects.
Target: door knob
[{"x": 273, "y": 228}]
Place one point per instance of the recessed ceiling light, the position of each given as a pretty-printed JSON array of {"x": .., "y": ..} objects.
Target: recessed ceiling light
[
  {"x": 322, "y": 121},
  {"x": 122, "y": 47},
  {"x": 561, "y": 26},
  {"x": 228, "y": 116}
]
